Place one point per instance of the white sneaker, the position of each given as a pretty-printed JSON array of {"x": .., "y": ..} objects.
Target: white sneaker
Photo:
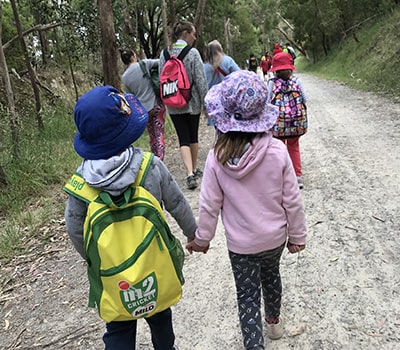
[{"x": 275, "y": 330}]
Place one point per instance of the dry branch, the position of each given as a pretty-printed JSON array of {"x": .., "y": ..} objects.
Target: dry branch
[{"x": 39, "y": 27}]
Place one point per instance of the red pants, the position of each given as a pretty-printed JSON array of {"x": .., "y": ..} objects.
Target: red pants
[
  {"x": 293, "y": 147},
  {"x": 155, "y": 127}
]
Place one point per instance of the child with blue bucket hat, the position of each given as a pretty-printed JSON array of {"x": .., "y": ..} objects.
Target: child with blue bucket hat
[{"x": 108, "y": 122}]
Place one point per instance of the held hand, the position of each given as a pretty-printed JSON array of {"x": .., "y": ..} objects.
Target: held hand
[
  {"x": 294, "y": 248},
  {"x": 193, "y": 247}
]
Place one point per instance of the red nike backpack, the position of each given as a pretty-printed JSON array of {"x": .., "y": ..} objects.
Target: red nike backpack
[{"x": 174, "y": 82}]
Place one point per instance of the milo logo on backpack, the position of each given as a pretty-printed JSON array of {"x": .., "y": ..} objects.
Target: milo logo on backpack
[
  {"x": 134, "y": 262},
  {"x": 292, "y": 120},
  {"x": 141, "y": 298},
  {"x": 174, "y": 82}
]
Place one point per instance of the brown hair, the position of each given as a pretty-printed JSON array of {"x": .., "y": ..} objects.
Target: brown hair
[
  {"x": 181, "y": 27},
  {"x": 126, "y": 55},
  {"x": 284, "y": 74},
  {"x": 232, "y": 145}
]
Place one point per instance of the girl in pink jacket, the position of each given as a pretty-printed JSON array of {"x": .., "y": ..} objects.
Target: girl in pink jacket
[{"x": 249, "y": 178}]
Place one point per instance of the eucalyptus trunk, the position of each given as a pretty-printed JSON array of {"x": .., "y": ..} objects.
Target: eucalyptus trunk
[
  {"x": 32, "y": 74},
  {"x": 10, "y": 100},
  {"x": 109, "y": 50}
]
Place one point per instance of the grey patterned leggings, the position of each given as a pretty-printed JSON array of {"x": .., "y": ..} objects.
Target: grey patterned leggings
[{"x": 253, "y": 272}]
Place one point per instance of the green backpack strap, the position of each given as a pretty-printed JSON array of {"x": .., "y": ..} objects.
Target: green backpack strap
[
  {"x": 144, "y": 168},
  {"x": 145, "y": 72},
  {"x": 77, "y": 187}
]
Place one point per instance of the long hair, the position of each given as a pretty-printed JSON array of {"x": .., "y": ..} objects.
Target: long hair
[
  {"x": 179, "y": 28},
  {"x": 232, "y": 145},
  {"x": 214, "y": 53}
]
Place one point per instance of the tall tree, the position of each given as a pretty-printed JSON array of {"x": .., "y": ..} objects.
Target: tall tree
[
  {"x": 10, "y": 99},
  {"x": 109, "y": 52},
  {"x": 164, "y": 17},
  {"x": 32, "y": 74},
  {"x": 198, "y": 20}
]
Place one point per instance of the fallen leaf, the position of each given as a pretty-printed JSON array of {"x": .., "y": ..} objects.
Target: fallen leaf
[{"x": 298, "y": 331}]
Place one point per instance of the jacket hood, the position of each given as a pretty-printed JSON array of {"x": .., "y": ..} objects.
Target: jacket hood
[
  {"x": 252, "y": 156},
  {"x": 115, "y": 174}
]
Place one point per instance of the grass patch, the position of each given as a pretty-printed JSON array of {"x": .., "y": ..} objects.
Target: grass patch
[{"x": 370, "y": 64}]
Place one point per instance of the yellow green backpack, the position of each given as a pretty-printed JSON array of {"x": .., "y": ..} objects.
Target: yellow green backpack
[{"x": 134, "y": 262}]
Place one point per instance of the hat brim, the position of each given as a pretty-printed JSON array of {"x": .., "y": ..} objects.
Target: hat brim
[
  {"x": 282, "y": 67},
  {"x": 225, "y": 123},
  {"x": 133, "y": 129}
]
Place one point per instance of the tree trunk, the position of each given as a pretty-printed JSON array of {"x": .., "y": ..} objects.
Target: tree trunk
[
  {"x": 128, "y": 30},
  {"x": 108, "y": 44},
  {"x": 172, "y": 14},
  {"x": 166, "y": 29},
  {"x": 228, "y": 37},
  {"x": 32, "y": 74},
  {"x": 198, "y": 20},
  {"x": 10, "y": 101},
  {"x": 44, "y": 43}
]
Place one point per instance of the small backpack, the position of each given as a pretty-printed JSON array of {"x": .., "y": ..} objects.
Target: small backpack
[
  {"x": 153, "y": 75},
  {"x": 134, "y": 262},
  {"x": 292, "y": 120},
  {"x": 174, "y": 82}
]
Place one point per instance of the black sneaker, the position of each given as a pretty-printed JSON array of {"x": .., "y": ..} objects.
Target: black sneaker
[
  {"x": 197, "y": 173},
  {"x": 191, "y": 182}
]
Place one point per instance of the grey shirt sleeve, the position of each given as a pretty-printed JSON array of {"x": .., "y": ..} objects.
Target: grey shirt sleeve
[
  {"x": 75, "y": 214},
  {"x": 163, "y": 186}
]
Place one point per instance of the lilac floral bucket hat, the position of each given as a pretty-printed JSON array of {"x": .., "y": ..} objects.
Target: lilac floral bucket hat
[{"x": 239, "y": 103}]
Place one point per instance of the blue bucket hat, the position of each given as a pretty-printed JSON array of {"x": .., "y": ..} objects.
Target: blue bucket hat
[
  {"x": 108, "y": 121},
  {"x": 239, "y": 103}
]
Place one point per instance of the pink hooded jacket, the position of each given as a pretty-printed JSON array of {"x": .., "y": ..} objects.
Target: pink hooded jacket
[{"x": 259, "y": 199}]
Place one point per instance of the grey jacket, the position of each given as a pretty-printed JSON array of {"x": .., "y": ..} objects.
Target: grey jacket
[
  {"x": 195, "y": 71},
  {"x": 114, "y": 175},
  {"x": 136, "y": 83}
]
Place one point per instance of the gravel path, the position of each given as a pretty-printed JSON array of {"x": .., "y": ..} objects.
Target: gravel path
[{"x": 340, "y": 293}]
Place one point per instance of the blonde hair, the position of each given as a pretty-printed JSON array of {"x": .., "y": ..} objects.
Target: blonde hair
[{"x": 214, "y": 53}]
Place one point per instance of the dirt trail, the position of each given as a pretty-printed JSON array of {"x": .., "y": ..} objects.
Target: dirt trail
[{"x": 340, "y": 293}]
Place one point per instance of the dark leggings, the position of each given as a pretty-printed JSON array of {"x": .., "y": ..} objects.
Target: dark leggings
[
  {"x": 122, "y": 335},
  {"x": 253, "y": 273},
  {"x": 187, "y": 128}
]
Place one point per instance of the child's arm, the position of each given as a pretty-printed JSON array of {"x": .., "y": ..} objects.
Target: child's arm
[
  {"x": 174, "y": 200},
  {"x": 75, "y": 214}
]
